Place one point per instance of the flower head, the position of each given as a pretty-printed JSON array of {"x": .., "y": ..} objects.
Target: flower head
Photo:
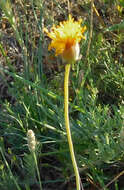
[
  {"x": 66, "y": 37},
  {"x": 31, "y": 140}
]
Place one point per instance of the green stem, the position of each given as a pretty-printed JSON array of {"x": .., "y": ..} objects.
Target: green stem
[
  {"x": 38, "y": 173},
  {"x": 71, "y": 148},
  {"x": 10, "y": 173}
]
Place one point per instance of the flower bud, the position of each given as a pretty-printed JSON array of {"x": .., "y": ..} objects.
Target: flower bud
[{"x": 71, "y": 54}]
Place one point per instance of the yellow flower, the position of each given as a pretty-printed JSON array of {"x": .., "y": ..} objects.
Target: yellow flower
[{"x": 66, "y": 37}]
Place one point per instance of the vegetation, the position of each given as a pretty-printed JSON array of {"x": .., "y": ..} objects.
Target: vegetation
[{"x": 32, "y": 90}]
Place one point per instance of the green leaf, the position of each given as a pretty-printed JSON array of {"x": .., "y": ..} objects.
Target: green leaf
[
  {"x": 121, "y": 3},
  {"x": 116, "y": 27}
]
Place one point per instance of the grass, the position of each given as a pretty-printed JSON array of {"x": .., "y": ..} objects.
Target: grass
[{"x": 31, "y": 97}]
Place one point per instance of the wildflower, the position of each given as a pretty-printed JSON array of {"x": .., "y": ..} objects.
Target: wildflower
[
  {"x": 31, "y": 140},
  {"x": 66, "y": 37}
]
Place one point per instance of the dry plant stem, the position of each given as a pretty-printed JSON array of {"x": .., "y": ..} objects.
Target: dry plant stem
[
  {"x": 99, "y": 17},
  {"x": 68, "y": 4},
  {"x": 91, "y": 30},
  {"x": 115, "y": 178},
  {"x": 71, "y": 148}
]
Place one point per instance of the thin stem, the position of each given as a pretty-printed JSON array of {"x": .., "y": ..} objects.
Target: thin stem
[
  {"x": 71, "y": 148},
  {"x": 113, "y": 180},
  {"x": 91, "y": 29},
  {"x": 10, "y": 173},
  {"x": 38, "y": 173}
]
